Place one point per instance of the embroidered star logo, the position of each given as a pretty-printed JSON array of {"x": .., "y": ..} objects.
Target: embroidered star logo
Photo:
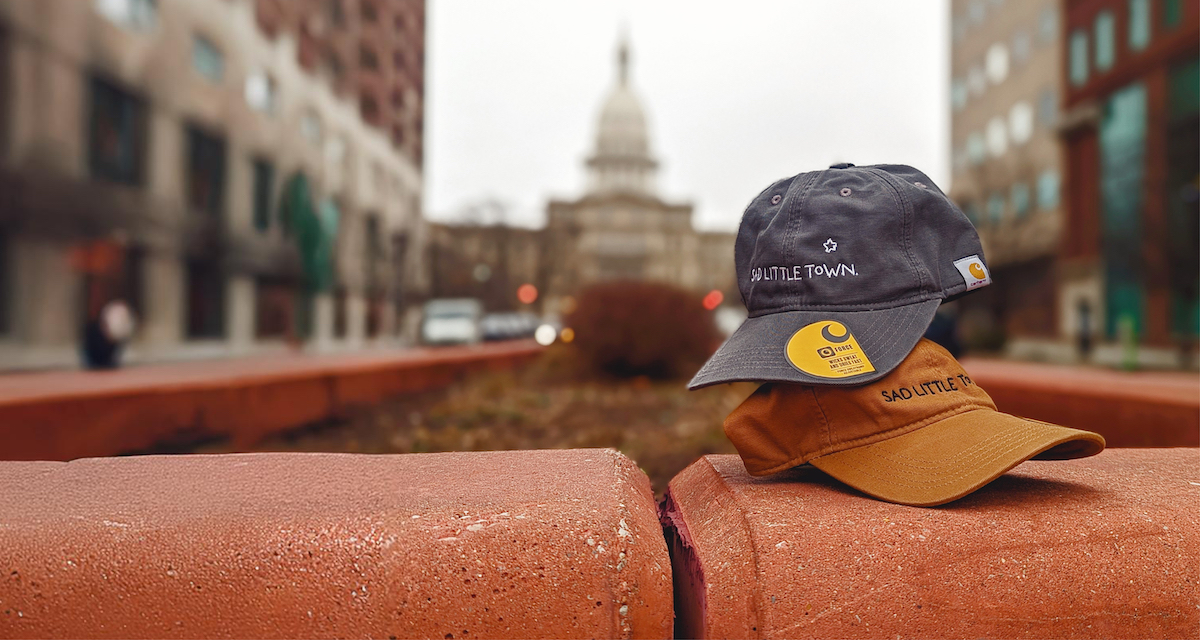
[{"x": 830, "y": 246}]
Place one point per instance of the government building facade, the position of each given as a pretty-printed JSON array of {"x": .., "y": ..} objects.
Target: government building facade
[{"x": 621, "y": 228}]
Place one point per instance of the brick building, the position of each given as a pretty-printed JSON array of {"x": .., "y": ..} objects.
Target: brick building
[
  {"x": 373, "y": 50},
  {"x": 1131, "y": 135},
  {"x": 172, "y": 154}
]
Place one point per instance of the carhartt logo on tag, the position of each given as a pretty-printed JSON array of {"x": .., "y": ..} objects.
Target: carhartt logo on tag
[
  {"x": 973, "y": 271},
  {"x": 827, "y": 349}
]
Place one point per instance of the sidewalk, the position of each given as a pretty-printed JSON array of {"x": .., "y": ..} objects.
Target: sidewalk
[{"x": 63, "y": 415}]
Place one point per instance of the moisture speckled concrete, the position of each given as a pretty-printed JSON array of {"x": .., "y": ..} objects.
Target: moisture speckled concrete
[
  {"x": 1102, "y": 547},
  {"x": 517, "y": 544}
]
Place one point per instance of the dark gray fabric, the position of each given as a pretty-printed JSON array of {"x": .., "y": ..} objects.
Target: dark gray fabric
[
  {"x": 756, "y": 351},
  {"x": 872, "y": 247}
]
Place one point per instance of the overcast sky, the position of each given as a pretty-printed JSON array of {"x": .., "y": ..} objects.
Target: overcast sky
[{"x": 737, "y": 95}]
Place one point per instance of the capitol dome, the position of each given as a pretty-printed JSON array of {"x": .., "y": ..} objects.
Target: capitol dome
[{"x": 622, "y": 160}]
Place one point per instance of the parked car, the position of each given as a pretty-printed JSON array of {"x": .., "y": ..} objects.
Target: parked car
[
  {"x": 508, "y": 326},
  {"x": 452, "y": 321}
]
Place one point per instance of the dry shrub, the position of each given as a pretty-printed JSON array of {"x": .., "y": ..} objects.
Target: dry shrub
[{"x": 642, "y": 328}]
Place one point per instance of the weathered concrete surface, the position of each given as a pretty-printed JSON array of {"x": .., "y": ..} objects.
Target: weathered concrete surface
[
  {"x": 1130, "y": 409},
  {"x": 1102, "y": 547},
  {"x": 519, "y": 544},
  {"x": 72, "y": 414}
]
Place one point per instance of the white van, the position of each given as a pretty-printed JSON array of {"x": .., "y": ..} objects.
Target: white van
[{"x": 452, "y": 321}]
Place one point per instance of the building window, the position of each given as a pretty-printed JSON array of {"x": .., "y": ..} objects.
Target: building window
[
  {"x": 995, "y": 208},
  {"x": 262, "y": 92},
  {"x": 1172, "y": 13},
  {"x": 1106, "y": 40},
  {"x": 1048, "y": 107},
  {"x": 205, "y": 171},
  {"x": 264, "y": 183},
  {"x": 337, "y": 14},
  {"x": 1079, "y": 58},
  {"x": 1048, "y": 23},
  {"x": 139, "y": 15},
  {"x": 996, "y": 63},
  {"x": 1021, "y": 46},
  {"x": 976, "y": 81},
  {"x": 1019, "y": 195},
  {"x": 997, "y": 137},
  {"x": 369, "y": 107},
  {"x": 976, "y": 149},
  {"x": 369, "y": 12},
  {"x": 367, "y": 58},
  {"x": 205, "y": 299},
  {"x": 976, "y": 12},
  {"x": 1047, "y": 189},
  {"x": 116, "y": 134},
  {"x": 958, "y": 94},
  {"x": 1139, "y": 24},
  {"x": 1020, "y": 122},
  {"x": 207, "y": 58}
]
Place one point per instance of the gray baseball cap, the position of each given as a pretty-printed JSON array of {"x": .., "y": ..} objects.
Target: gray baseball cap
[{"x": 841, "y": 271}]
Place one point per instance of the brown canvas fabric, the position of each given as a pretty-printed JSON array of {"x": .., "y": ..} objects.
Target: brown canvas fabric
[{"x": 924, "y": 434}]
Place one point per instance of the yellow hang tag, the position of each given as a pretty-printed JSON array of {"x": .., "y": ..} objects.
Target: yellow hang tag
[{"x": 827, "y": 349}]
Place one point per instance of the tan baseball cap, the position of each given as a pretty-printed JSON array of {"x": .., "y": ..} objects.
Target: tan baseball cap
[{"x": 923, "y": 435}]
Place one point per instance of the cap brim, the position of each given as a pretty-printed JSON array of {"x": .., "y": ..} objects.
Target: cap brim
[
  {"x": 757, "y": 351},
  {"x": 949, "y": 459}
]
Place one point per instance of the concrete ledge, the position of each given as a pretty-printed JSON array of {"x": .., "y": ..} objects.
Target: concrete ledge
[
  {"x": 75, "y": 414},
  {"x": 1141, "y": 409},
  {"x": 1103, "y": 547},
  {"x": 519, "y": 544}
]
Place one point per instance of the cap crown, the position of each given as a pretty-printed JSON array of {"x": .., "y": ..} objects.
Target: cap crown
[
  {"x": 783, "y": 425},
  {"x": 852, "y": 238}
]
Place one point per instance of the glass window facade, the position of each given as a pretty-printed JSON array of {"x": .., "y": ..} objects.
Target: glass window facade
[
  {"x": 1139, "y": 24},
  {"x": 1078, "y": 65},
  {"x": 1122, "y": 137},
  {"x": 1105, "y": 29},
  {"x": 1172, "y": 15}
]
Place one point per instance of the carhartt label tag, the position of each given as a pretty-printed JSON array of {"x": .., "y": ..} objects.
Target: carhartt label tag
[
  {"x": 974, "y": 273},
  {"x": 827, "y": 349}
]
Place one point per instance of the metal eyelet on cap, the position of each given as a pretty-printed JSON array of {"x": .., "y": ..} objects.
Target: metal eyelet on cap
[
  {"x": 845, "y": 191},
  {"x": 920, "y": 184},
  {"x": 776, "y": 198}
]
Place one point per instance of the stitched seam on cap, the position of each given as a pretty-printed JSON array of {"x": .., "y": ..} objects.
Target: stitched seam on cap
[
  {"x": 865, "y": 306},
  {"x": 906, "y": 224},
  {"x": 794, "y": 234}
]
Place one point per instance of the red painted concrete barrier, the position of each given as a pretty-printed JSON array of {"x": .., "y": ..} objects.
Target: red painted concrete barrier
[
  {"x": 516, "y": 544},
  {"x": 1102, "y": 547},
  {"x": 1138, "y": 409},
  {"x": 75, "y": 414}
]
